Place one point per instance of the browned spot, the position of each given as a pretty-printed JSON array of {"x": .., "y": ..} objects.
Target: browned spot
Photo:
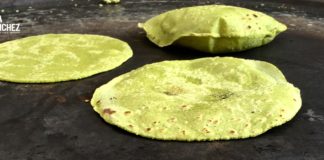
[
  {"x": 154, "y": 123},
  {"x": 172, "y": 119},
  {"x": 184, "y": 106},
  {"x": 249, "y": 27},
  {"x": 255, "y": 15},
  {"x": 98, "y": 102},
  {"x": 268, "y": 36},
  {"x": 168, "y": 93},
  {"x": 215, "y": 121},
  {"x": 112, "y": 98},
  {"x": 148, "y": 129},
  {"x": 247, "y": 14},
  {"x": 60, "y": 99},
  {"x": 295, "y": 99},
  {"x": 231, "y": 131},
  {"x": 246, "y": 125},
  {"x": 164, "y": 108},
  {"x": 174, "y": 90},
  {"x": 259, "y": 28},
  {"x": 130, "y": 126},
  {"x": 108, "y": 111},
  {"x": 209, "y": 120},
  {"x": 127, "y": 112},
  {"x": 282, "y": 110},
  {"x": 280, "y": 115},
  {"x": 184, "y": 132},
  {"x": 205, "y": 130},
  {"x": 252, "y": 112}
]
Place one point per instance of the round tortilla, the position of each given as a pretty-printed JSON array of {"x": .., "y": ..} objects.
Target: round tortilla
[
  {"x": 60, "y": 57},
  {"x": 213, "y": 28},
  {"x": 197, "y": 100}
]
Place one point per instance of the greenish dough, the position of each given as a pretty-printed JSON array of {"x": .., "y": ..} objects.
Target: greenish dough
[
  {"x": 213, "y": 28},
  {"x": 60, "y": 57},
  {"x": 199, "y": 100}
]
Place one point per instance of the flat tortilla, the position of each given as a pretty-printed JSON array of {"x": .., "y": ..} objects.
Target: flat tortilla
[
  {"x": 60, "y": 57},
  {"x": 198, "y": 100}
]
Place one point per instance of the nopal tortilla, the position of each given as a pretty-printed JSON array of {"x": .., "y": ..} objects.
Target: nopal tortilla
[
  {"x": 60, "y": 57},
  {"x": 213, "y": 28},
  {"x": 199, "y": 100}
]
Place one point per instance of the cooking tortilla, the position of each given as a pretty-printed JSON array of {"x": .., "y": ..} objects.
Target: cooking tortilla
[
  {"x": 60, "y": 57},
  {"x": 199, "y": 100},
  {"x": 213, "y": 28}
]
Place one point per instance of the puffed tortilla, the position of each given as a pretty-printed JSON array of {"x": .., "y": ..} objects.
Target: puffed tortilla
[
  {"x": 60, "y": 57},
  {"x": 213, "y": 28},
  {"x": 199, "y": 100}
]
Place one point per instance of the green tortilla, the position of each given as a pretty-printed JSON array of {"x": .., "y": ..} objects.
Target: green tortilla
[
  {"x": 198, "y": 100},
  {"x": 213, "y": 28},
  {"x": 60, "y": 57}
]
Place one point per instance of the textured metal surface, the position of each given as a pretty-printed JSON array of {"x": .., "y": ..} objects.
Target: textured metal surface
[{"x": 55, "y": 121}]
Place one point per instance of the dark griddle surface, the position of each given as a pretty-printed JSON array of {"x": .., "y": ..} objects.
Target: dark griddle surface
[{"x": 53, "y": 121}]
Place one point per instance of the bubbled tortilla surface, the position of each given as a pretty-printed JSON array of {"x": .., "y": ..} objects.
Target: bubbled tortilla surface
[{"x": 199, "y": 100}]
